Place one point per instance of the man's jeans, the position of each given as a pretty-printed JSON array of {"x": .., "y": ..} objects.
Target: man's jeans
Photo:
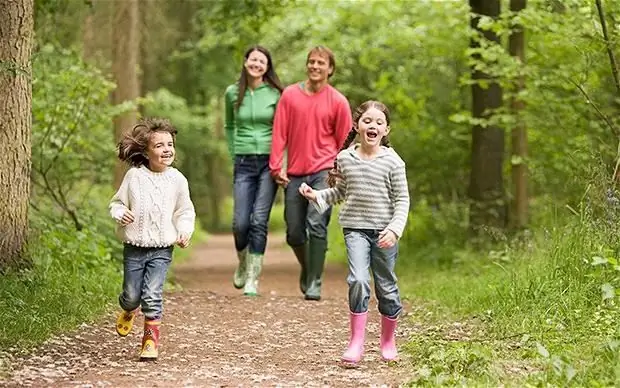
[
  {"x": 144, "y": 274},
  {"x": 302, "y": 219},
  {"x": 364, "y": 254},
  {"x": 254, "y": 193}
]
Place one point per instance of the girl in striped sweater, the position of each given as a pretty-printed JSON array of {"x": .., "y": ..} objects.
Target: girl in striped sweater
[{"x": 369, "y": 178}]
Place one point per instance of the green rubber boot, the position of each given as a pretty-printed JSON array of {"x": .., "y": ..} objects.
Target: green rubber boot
[
  {"x": 301, "y": 253},
  {"x": 255, "y": 266},
  {"x": 241, "y": 270},
  {"x": 316, "y": 255}
]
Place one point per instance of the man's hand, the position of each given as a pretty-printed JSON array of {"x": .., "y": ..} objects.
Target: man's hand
[
  {"x": 307, "y": 192},
  {"x": 127, "y": 218},
  {"x": 281, "y": 178},
  {"x": 387, "y": 239},
  {"x": 183, "y": 240}
]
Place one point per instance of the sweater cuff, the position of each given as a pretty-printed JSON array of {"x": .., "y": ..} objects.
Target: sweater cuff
[
  {"x": 117, "y": 212},
  {"x": 320, "y": 204},
  {"x": 185, "y": 228},
  {"x": 398, "y": 231}
]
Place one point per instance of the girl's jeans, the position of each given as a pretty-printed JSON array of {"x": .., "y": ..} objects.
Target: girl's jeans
[
  {"x": 364, "y": 254},
  {"x": 254, "y": 193},
  {"x": 144, "y": 274}
]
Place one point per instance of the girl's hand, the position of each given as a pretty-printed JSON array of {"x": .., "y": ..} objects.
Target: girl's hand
[
  {"x": 127, "y": 218},
  {"x": 387, "y": 239},
  {"x": 183, "y": 240},
  {"x": 307, "y": 192}
]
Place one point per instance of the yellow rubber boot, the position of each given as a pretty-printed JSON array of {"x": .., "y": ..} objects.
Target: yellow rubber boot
[{"x": 124, "y": 322}]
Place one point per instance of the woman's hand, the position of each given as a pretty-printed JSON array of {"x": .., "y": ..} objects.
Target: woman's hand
[
  {"x": 307, "y": 192},
  {"x": 183, "y": 240},
  {"x": 387, "y": 239},
  {"x": 127, "y": 218}
]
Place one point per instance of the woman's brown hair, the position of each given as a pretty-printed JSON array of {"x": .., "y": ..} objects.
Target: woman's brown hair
[{"x": 270, "y": 75}]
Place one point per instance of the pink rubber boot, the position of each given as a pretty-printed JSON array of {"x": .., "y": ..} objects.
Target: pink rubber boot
[
  {"x": 388, "y": 342},
  {"x": 354, "y": 351}
]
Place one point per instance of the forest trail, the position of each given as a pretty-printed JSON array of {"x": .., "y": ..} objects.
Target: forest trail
[{"x": 214, "y": 336}]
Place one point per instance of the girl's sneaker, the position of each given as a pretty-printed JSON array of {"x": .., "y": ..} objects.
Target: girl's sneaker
[
  {"x": 124, "y": 322},
  {"x": 150, "y": 341}
]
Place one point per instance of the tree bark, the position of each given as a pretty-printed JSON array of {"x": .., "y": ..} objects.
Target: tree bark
[
  {"x": 218, "y": 187},
  {"x": 125, "y": 69},
  {"x": 16, "y": 38},
  {"x": 516, "y": 48},
  {"x": 88, "y": 32},
  {"x": 486, "y": 188}
]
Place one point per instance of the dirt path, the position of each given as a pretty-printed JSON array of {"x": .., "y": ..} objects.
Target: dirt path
[{"x": 214, "y": 336}]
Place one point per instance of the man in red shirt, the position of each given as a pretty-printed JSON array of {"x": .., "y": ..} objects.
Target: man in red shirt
[{"x": 311, "y": 122}]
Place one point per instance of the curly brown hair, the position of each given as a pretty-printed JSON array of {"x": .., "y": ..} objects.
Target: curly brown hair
[
  {"x": 133, "y": 145},
  {"x": 334, "y": 175}
]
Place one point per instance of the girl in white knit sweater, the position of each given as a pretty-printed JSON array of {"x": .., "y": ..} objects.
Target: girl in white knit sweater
[{"x": 154, "y": 212}]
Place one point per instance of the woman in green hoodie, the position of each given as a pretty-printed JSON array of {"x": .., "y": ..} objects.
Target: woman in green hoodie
[{"x": 250, "y": 106}]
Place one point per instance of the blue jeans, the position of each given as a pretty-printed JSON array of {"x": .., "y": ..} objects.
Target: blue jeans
[
  {"x": 302, "y": 219},
  {"x": 364, "y": 254},
  {"x": 144, "y": 274},
  {"x": 254, "y": 193}
]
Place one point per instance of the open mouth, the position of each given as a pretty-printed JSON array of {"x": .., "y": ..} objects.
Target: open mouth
[{"x": 372, "y": 134}]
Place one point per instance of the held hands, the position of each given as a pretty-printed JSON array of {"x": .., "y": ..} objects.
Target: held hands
[
  {"x": 183, "y": 240},
  {"x": 387, "y": 239},
  {"x": 307, "y": 192},
  {"x": 281, "y": 178},
  {"x": 127, "y": 218}
]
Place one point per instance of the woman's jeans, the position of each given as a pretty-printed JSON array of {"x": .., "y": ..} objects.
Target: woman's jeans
[
  {"x": 254, "y": 193},
  {"x": 144, "y": 274},
  {"x": 364, "y": 254}
]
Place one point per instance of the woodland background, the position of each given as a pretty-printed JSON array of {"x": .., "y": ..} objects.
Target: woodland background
[{"x": 507, "y": 114}]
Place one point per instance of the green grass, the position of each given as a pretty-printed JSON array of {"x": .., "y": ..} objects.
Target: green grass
[
  {"x": 75, "y": 277},
  {"x": 538, "y": 310}
]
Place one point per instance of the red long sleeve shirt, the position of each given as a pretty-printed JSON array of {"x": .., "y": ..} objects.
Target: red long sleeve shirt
[{"x": 312, "y": 128}]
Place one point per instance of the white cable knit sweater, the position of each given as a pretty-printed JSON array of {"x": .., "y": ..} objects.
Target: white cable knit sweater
[{"x": 160, "y": 203}]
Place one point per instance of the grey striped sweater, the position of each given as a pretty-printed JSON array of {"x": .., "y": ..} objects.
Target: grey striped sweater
[{"x": 374, "y": 192}]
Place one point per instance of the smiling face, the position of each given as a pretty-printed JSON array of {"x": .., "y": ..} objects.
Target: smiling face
[
  {"x": 256, "y": 64},
  {"x": 372, "y": 127},
  {"x": 160, "y": 151},
  {"x": 318, "y": 67}
]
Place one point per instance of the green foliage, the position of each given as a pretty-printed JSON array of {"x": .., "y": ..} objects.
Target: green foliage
[
  {"x": 75, "y": 254},
  {"x": 73, "y": 279},
  {"x": 556, "y": 290},
  {"x": 72, "y": 142},
  {"x": 553, "y": 290},
  {"x": 447, "y": 363}
]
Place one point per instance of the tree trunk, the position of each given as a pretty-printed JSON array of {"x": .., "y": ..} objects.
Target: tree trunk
[
  {"x": 88, "y": 32},
  {"x": 516, "y": 47},
  {"x": 486, "y": 188},
  {"x": 125, "y": 69},
  {"x": 218, "y": 191},
  {"x": 16, "y": 38}
]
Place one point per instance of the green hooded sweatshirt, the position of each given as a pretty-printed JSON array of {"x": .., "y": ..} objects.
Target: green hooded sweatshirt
[{"x": 248, "y": 130}]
